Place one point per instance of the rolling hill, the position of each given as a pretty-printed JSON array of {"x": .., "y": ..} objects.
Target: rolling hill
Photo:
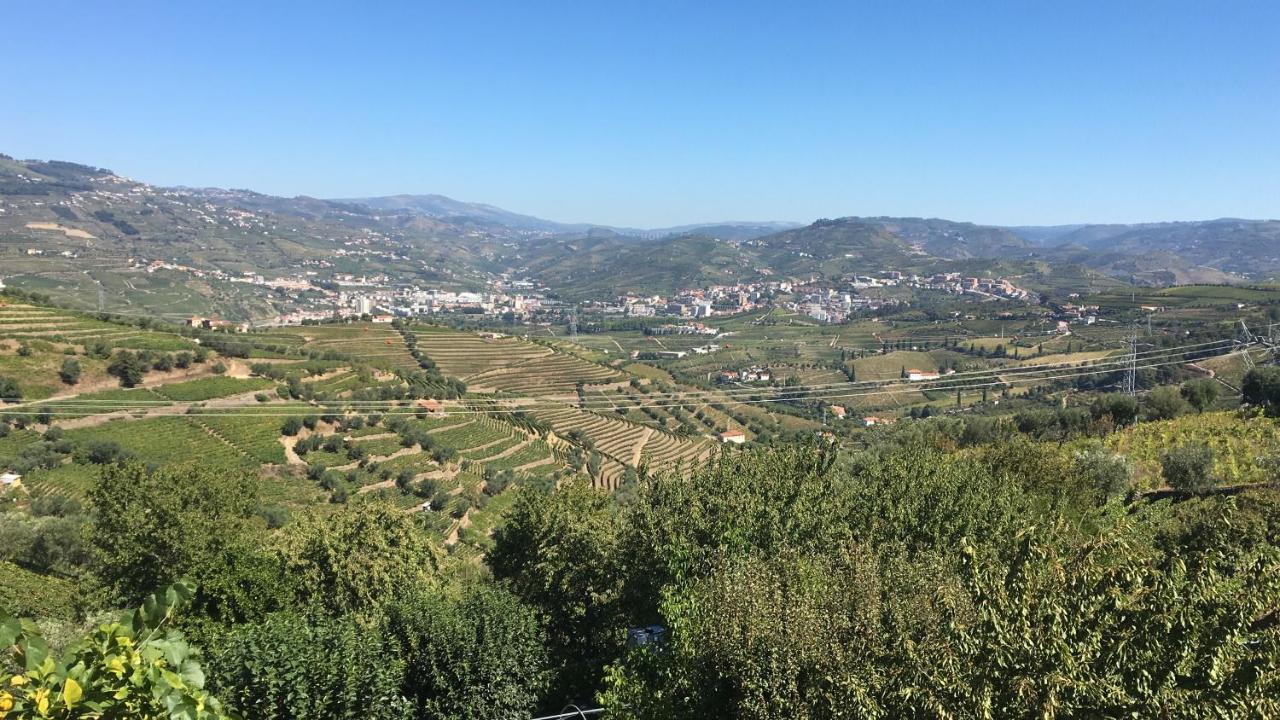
[{"x": 1220, "y": 250}]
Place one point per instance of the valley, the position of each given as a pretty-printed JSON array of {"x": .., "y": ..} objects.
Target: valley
[{"x": 472, "y": 398}]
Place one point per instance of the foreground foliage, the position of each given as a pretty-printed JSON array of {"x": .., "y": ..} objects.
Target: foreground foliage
[
  {"x": 136, "y": 667},
  {"x": 993, "y": 582},
  {"x": 935, "y": 575}
]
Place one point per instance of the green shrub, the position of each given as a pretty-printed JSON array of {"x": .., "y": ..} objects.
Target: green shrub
[
  {"x": 479, "y": 656},
  {"x": 1189, "y": 467},
  {"x": 290, "y": 666}
]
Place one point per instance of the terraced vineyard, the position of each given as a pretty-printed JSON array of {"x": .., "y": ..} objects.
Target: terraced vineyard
[
  {"x": 615, "y": 438},
  {"x": 375, "y": 344},
  {"x": 463, "y": 355},
  {"x": 164, "y": 440},
  {"x": 69, "y": 480},
  {"x": 32, "y": 594},
  {"x": 1237, "y": 444},
  {"x": 13, "y": 443},
  {"x": 509, "y": 364},
  {"x": 525, "y": 457},
  {"x": 212, "y": 387},
  {"x": 416, "y": 462},
  {"x": 28, "y": 322},
  {"x": 467, "y": 437},
  {"x": 379, "y": 446},
  {"x": 339, "y": 382},
  {"x": 99, "y": 403},
  {"x": 257, "y": 436},
  {"x": 624, "y": 443},
  {"x": 890, "y": 366},
  {"x": 554, "y": 374},
  {"x": 664, "y": 451}
]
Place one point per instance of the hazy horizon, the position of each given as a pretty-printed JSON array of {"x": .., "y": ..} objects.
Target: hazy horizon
[{"x": 667, "y": 115}]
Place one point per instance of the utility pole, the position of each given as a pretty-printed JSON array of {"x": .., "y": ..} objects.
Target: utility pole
[
  {"x": 1245, "y": 339},
  {"x": 573, "y": 322},
  {"x": 1130, "y": 386},
  {"x": 102, "y": 302}
]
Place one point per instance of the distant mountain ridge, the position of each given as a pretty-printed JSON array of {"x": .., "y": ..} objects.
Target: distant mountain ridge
[
  {"x": 1223, "y": 250},
  {"x": 1188, "y": 251},
  {"x": 73, "y": 217},
  {"x": 447, "y": 208},
  {"x": 473, "y": 213}
]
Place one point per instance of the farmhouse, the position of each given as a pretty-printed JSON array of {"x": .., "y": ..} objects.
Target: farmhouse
[
  {"x": 870, "y": 420},
  {"x": 432, "y": 406},
  {"x": 733, "y": 436},
  {"x": 838, "y": 411},
  {"x": 915, "y": 375}
]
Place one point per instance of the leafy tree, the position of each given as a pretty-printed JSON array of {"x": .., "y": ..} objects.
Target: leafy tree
[
  {"x": 1122, "y": 409},
  {"x": 100, "y": 452},
  {"x": 70, "y": 372},
  {"x": 50, "y": 544},
  {"x": 358, "y": 557},
  {"x": 291, "y": 427},
  {"x": 1188, "y": 467},
  {"x": 151, "y": 526},
  {"x": 1262, "y": 388},
  {"x": 1037, "y": 620},
  {"x": 288, "y": 665},
  {"x": 560, "y": 554},
  {"x": 1164, "y": 403},
  {"x": 275, "y": 516},
  {"x": 481, "y": 655},
  {"x": 1109, "y": 473},
  {"x": 1200, "y": 393},
  {"x": 9, "y": 390},
  {"x": 135, "y": 667},
  {"x": 129, "y": 367},
  {"x": 55, "y": 506}
]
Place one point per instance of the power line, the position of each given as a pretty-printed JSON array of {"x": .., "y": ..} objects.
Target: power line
[
  {"x": 1109, "y": 365},
  {"x": 409, "y": 409},
  {"x": 800, "y": 391}
]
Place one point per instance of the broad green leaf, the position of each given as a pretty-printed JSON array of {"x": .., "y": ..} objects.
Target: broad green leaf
[{"x": 71, "y": 692}]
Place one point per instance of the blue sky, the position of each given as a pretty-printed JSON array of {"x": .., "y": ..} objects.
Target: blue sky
[{"x": 657, "y": 113}]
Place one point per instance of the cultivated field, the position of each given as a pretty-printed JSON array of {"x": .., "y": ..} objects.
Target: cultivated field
[
  {"x": 510, "y": 365},
  {"x": 377, "y": 345}
]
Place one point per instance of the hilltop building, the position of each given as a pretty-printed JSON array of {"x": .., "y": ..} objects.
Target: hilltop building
[
  {"x": 733, "y": 436},
  {"x": 914, "y": 375}
]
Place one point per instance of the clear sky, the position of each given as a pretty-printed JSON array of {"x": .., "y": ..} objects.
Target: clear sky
[{"x": 660, "y": 113}]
